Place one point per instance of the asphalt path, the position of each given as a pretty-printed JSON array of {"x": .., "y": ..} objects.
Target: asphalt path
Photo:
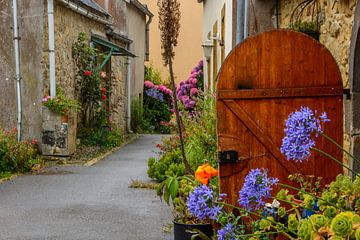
[{"x": 86, "y": 202}]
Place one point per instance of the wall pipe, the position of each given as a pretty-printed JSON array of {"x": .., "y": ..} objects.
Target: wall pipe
[
  {"x": 17, "y": 67},
  {"x": 240, "y": 21},
  {"x": 246, "y": 19},
  {"x": 51, "y": 29},
  {"x": 147, "y": 39},
  {"x": 128, "y": 80},
  {"x": 84, "y": 12}
]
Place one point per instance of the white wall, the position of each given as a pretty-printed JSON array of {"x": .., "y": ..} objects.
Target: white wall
[{"x": 211, "y": 14}]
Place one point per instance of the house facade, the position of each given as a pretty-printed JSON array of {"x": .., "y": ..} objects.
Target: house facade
[
  {"x": 338, "y": 31},
  {"x": 106, "y": 23},
  {"x": 188, "y": 51}
]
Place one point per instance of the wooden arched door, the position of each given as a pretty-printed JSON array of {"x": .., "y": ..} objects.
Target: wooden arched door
[{"x": 261, "y": 82}]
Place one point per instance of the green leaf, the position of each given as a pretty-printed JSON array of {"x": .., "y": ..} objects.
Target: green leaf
[{"x": 173, "y": 189}]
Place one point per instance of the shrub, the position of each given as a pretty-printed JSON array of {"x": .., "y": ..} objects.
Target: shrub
[
  {"x": 200, "y": 143},
  {"x": 16, "y": 156},
  {"x": 157, "y": 104},
  {"x": 103, "y": 137}
]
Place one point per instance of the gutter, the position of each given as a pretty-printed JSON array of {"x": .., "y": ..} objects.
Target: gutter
[{"x": 84, "y": 12}]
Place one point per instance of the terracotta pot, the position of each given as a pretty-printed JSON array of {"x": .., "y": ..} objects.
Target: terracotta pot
[{"x": 64, "y": 118}]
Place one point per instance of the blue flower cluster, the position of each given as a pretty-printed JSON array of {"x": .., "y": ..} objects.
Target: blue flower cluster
[
  {"x": 300, "y": 128},
  {"x": 256, "y": 189},
  {"x": 200, "y": 203},
  {"x": 227, "y": 233},
  {"x": 154, "y": 93}
]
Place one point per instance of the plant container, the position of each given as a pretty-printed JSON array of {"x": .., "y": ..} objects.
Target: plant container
[{"x": 180, "y": 230}]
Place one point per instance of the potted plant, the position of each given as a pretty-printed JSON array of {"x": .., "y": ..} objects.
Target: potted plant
[
  {"x": 61, "y": 104},
  {"x": 304, "y": 22},
  {"x": 176, "y": 191}
]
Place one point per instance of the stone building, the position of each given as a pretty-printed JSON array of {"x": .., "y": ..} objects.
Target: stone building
[
  {"x": 106, "y": 22},
  {"x": 339, "y": 31}
]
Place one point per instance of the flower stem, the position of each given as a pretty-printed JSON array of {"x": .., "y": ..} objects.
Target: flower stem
[
  {"x": 293, "y": 204},
  {"x": 255, "y": 214},
  {"x": 339, "y": 146},
  {"x": 331, "y": 157},
  {"x": 313, "y": 195}
]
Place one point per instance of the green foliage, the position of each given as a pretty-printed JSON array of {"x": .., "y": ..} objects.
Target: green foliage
[
  {"x": 136, "y": 115},
  {"x": 93, "y": 85},
  {"x": 156, "y": 116},
  {"x": 104, "y": 137},
  {"x": 200, "y": 130},
  {"x": 16, "y": 156},
  {"x": 169, "y": 164},
  {"x": 61, "y": 104},
  {"x": 153, "y": 75},
  {"x": 305, "y": 26}
]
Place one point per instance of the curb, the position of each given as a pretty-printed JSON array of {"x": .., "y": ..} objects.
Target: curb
[
  {"x": 101, "y": 157},
  {"x": 9, "y": 178}
]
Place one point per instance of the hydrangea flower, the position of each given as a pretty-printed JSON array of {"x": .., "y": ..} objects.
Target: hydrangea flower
[
  {"x": 227, "y": 233},
  {"x": 154, "y": 93},
  {"x": 200, "y": 203},
  {"x": 149, "y": 84},
  {"x": 188, "y": 90},
  {"x": 256, "y": 189},
  {"x": 300, "y": 129}
]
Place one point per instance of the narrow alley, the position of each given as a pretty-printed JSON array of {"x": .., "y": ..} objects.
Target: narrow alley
[{"x": 86, "y": 203}]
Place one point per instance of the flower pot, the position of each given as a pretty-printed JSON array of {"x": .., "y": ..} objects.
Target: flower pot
[
  {"x": 180, "y": 230},
  {"x": 314, "y": 34}
]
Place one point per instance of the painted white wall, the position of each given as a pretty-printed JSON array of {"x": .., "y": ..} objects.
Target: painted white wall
[{"x": 211, "y": 14}]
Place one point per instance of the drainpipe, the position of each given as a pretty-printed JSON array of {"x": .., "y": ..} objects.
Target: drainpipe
[
  {"x": 240, "y": 21},
  {"x": 17, "y": 67},
  {"x": 246, "y": 19},
  {"x": 147, "y": 36},
  {"x": 50, "y": 8},
  {"x": 128, "y": 80}
]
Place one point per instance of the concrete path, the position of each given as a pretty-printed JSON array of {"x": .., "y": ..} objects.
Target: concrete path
[{"x": 87, "y": 203}]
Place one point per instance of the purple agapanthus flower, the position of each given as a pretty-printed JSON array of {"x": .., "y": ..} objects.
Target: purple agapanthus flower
[
  {"x": 155, "y": 93},
  {"x": 227, "y": 233},
  {"x": 300, "y": 129},
  {"x": 201, "y": 203},
  {"x": 256, "y": 189}
]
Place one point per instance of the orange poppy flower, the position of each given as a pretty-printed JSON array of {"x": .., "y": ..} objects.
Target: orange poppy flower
[{"x": 205, "y": 172}]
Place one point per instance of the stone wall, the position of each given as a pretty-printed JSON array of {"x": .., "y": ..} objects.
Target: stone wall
[
  {"x": 335, "y": 34},
  {"x": 31, "y": 20},
  {"x": 337, "y": 17},
  {"x": 68, "y": 25}
]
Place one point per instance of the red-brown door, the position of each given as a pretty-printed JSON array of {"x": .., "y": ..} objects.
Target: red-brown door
[{"x": 261, "y": 82}]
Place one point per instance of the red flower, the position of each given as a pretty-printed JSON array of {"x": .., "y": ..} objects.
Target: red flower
[
  {"x": 103, "y": 97},
  {"x": 103, "y": 90},
  {"x": 87, "y": 73}
]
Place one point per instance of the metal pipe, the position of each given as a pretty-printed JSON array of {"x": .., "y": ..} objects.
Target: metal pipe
[
  {"x": 17, "y": 67},
  {"x": 128, "y": 80},
  {"x": 84, "y": 12},
  {"x": 246, "y": 19},
  {"x": 50, "y": 9},
  {"x": 240, "y": 21},
  {"x": 147, "y": 40}
]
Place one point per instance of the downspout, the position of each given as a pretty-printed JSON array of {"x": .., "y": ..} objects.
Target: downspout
[
  {"x": 246, "y": 19},
  {"x": 50, "y": 8},
  {"x": 128, "y": 81},
  {"x": 240, "y": 21},
  {"x": 147, "y": 37},
  {"x": 17, "y": 68}
]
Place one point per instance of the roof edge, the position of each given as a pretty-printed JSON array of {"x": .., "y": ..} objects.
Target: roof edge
[{"x": 142, "y": 7}]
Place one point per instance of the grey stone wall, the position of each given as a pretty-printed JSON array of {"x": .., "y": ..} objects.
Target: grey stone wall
[{"x": 31, "y": 24}]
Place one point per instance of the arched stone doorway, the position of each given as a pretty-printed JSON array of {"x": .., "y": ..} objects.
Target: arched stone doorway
[{"x": 354, "y": 65}]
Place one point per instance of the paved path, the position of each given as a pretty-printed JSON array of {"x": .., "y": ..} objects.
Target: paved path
[{"x": 87, "y": 203}]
